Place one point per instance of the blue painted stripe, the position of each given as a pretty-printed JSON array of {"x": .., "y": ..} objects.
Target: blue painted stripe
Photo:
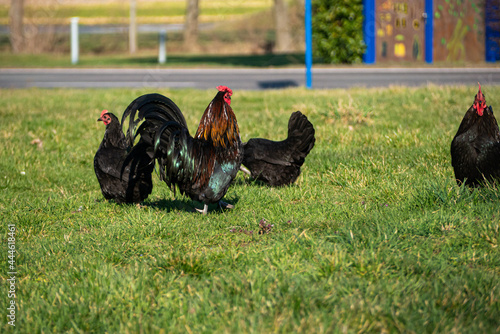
[
  {"x": 429, "y": 31},
  {"x": 492, "y": 30},
  {"x": 369, "y": 31},
  {"x": 308, "y": 28}
]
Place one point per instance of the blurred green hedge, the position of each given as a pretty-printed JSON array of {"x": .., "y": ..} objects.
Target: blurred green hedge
[{"x": 338, "y": 30}]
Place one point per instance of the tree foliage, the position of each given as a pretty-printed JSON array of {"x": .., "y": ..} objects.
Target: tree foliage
[{"x": 338, "y": 30}]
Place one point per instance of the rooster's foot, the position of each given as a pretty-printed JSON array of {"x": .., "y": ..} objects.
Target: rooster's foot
[
  {"x": 245, "y": 170},
  {"x": 204, "y": 211},
  {"x": 225, "y": 205}
]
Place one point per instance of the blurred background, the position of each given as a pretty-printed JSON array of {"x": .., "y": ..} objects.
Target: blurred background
[
  {"x": 127, "y": 31},
  {"x": 249, "y": 33}
]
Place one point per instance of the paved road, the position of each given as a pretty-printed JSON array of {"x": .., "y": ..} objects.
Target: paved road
[{"x": 253, "y": 79}]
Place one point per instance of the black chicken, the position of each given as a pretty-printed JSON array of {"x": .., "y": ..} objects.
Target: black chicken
[
  {"x": 122, "y": 177},
  {"x": 202, "y": 166},
  {"x": 475, "y": 150},
  {"x": 123, "y": 168},
  {"x": 278, "y": 163}
]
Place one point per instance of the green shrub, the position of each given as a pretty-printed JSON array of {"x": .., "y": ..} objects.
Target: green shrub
[{"x": 338, "y": 30}]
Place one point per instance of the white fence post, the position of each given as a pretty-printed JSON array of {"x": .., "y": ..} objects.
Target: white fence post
[
  {"x": 74, "y": 40},
  {"x": 132, "y": 30},
  {"x": 162, "y": 51}
]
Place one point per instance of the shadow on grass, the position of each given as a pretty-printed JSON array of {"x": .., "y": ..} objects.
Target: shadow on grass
[
  {"x": 250, "y": 181},
  {"x": 151, "y": 60},
  {"x": 267, "y": 60},
  {"x": 187, "y": 205}
]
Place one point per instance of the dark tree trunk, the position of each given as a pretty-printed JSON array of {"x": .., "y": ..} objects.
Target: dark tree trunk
[
  {"x": 16, "y": 15},
  {"x": 191, "y": 25},
  {"x": 283, "y": 38}
]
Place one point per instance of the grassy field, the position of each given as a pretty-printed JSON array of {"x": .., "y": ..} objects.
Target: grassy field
[
  {"x": 375, "y": 236},
  {"x": 112, "y": 12},
  {"x": 150, "y": 60}
]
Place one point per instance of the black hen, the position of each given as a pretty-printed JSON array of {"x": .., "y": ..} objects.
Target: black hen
[
  {"x": 123, "y": 168},
  {"x": 278, "y": 163},
  {"x": 122, "y": 177},
  {"x": 202, "y": 166},
  {"x": 475, "y": 150}
]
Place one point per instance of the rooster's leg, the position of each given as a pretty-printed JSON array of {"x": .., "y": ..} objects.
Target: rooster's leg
[
  {"x": 225, "y": 205},
  {"x": 204, "y": 211},
  {"x": 245, "y": 170}
]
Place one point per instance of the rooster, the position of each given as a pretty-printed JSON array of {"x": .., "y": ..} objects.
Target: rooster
[
  {"x": 475, "y": 149},
  {"x": 278, "y": 163},
  {"x": 122, "y": 177},
  {"x": 201, "y": 167}
]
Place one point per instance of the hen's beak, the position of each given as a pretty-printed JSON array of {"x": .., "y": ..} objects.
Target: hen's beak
[{"x": 99, "y": 119}]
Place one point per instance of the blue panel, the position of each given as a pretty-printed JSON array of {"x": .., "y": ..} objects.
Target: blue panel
[
  {"x": 308, "y": 28},
  {"x": 429, "y": 31},
  {"x": 369, "y": 30},
  {"x": 492, "y": 30}
]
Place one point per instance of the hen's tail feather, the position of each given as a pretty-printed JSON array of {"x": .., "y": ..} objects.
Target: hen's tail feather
[{"x": 300, "y": 136}]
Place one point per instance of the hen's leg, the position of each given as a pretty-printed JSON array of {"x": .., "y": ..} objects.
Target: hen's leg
[
  {"x": 245, "y": 170},
  {"x": 204, "y": 211},
  {"x": 225, "y": 205}
]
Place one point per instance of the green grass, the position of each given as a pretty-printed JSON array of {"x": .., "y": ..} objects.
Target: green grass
[
  {"x": 150, "y": 59},
  {"x": 118, "y": 11},
  {"x": 375, "y": 236}
]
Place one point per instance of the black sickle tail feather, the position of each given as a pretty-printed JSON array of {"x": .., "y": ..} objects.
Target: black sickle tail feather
[
  {"x": 174, "y": 149},
  {"x": 164, "y": 138},
  {"x": 160, "y": 116},
  {"x": 154, "y": 110},
  {"x": 139, "y": 159},
  {"x": 139, "y": 176},
  {"x": 300, "y": 137}
]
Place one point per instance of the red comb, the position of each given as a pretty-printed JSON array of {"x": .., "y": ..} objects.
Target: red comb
[
  {"x": 225, "y": 89},
  {"x": 479, "y": 102},
  {"x": 104, "y": 112},
  {"x": 479, "y": 93}
]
